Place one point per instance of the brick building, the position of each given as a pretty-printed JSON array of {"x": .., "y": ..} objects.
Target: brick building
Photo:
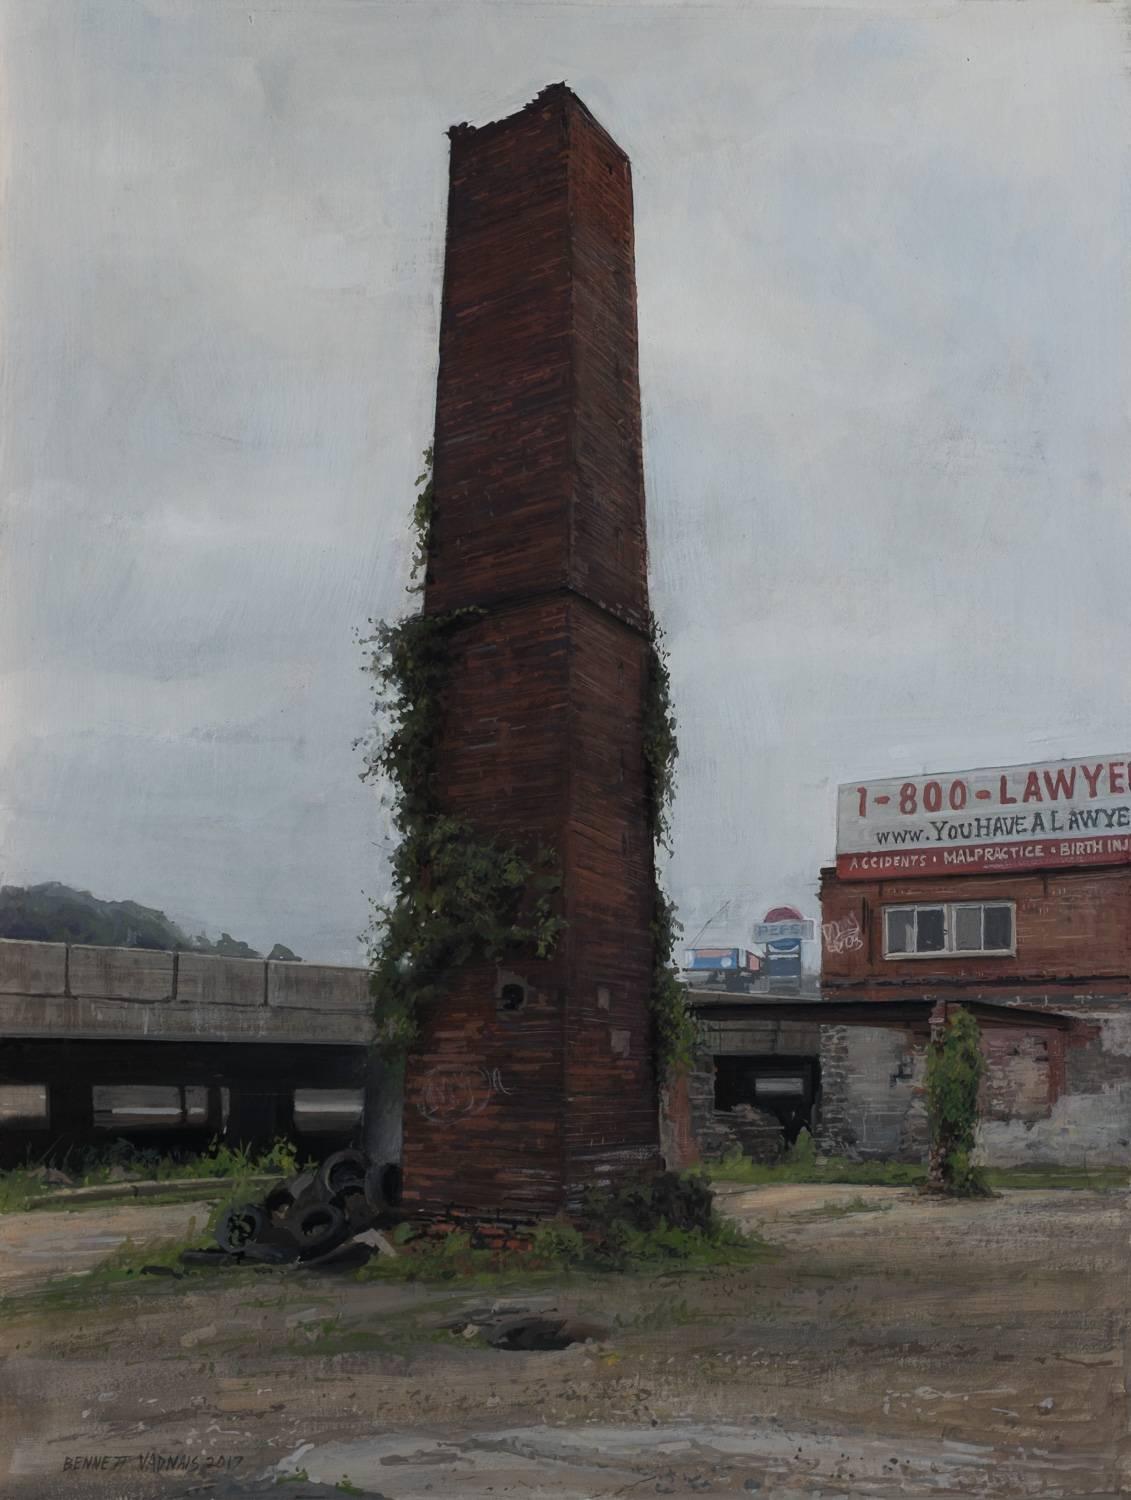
[
  {"x": 1007, "y": 910},
  {"x": 529, "y": 1085}
]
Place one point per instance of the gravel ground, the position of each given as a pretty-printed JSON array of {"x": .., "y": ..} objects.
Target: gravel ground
[{"x": 891, "y": 1346}]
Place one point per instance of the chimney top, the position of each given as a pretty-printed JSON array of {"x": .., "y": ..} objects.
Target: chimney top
[{"x": 553, "y": 95}]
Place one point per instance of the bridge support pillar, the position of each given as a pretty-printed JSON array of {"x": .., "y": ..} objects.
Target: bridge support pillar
[
  {"x": 70, "y": 1105},
  {"x": 384, "y": 1110},
  {"x": 257, "y": 1116}
]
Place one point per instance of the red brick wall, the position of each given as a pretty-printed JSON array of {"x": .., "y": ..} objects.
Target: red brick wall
[
  {"x": 1018, "y": 1081},
  {"x": 607, "y": 545},
  {"x": 502, "y": 440},
  {"x": 609, "y": 1070},
  {"x": 1071, "y": 927},
  {"x": 677, "y": 1125},
  {"x": 538, "y": 471}
]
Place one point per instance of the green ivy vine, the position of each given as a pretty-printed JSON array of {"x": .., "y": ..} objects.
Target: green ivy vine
[
  {"x": 676, "y": 1031},
  {"x": 954, "y": 1073},
  {"x": 456, "y": 896},
  {"x": 421, "y": 524},
  {"x": 661, "y": 749}
]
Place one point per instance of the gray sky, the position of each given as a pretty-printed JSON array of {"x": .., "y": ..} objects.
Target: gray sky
[{"x": 885, "y": 324}]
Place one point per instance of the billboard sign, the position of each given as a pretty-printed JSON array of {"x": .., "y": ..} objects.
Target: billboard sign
[
  {"x": 713, "y": 959},
  {"x": 783, "y": 950},
  {"x": 1027, "y": 817},
  {"x": 784, "y": 965},
  {"x": 797, "y": 929}
]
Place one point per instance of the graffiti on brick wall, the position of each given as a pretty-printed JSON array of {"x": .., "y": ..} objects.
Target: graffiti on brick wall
[
  {"x": 843, "y": 936},
  {"x": 456, "y": 1093}
]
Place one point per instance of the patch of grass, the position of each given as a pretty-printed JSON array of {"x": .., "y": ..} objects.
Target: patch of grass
[
  {"x": 827, "y": 1170},
  {"x": 1098, "y": 1179},
  {"x": 558, "y": 1254},
  {"x": 840, "y": 1169},
  {"x": 21, "y": 1188},
  {"x": 17, "y": 1188},
  {"x": 122, "y": 1270},
  {"x": 834, "y": 1210},
  {"x": 130, "y": 1256}
]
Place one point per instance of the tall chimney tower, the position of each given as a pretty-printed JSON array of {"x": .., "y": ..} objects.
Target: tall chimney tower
[{"x": 534, "y": 1079}]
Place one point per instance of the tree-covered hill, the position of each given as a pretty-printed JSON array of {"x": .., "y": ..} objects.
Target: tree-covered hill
[{"x": 56, "y": 913}]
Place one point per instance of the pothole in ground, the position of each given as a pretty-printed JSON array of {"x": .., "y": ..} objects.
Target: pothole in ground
[
  {"x": 540, "y": 1333},
  {"x": 526, "y": 1324}
]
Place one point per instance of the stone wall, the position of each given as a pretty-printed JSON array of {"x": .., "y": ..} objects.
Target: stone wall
[
  {"x": 1044, "y": 1100},
  {"x": 718, "y": 1133},
  {"x": 870, "y": 1080},
  {"x": 1088, "y": 1123}
]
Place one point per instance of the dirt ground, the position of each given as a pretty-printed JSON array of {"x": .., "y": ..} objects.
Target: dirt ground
[{"x": 889, "y": 1346}]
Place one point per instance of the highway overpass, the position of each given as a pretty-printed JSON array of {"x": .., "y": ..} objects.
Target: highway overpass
[{"x": 176, "y": 1047}]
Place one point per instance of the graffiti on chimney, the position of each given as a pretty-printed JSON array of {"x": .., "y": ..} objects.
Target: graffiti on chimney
[
  {"x": 843, "y": 936},
  {"x": 456, "y": 1093}
]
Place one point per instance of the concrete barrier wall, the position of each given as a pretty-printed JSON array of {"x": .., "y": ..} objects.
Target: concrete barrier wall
[
  {"x": 33, "y": 968},
  {"x": 120, "y": 974},
  {"x": 59, "y": 990}
]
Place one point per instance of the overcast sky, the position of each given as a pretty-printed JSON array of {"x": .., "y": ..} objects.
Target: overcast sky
[{"x": 885, "y": 324}]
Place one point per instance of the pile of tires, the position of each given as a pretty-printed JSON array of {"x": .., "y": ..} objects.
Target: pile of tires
[{"x": 312, "y": 1214}]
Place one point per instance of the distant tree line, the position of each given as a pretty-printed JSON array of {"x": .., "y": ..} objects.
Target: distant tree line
[{"x": 56, "y": 913}]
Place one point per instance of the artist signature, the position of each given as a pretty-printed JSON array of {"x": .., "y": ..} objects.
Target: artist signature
[{"x": 152, "y": 1463}]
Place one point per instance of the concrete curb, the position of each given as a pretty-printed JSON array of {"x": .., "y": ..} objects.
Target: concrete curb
[{"x": 179, "y": 1186}]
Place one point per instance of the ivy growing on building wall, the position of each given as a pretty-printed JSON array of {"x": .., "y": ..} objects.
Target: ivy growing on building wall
[
  {"x": 661, "y": 749},
  {"x": 456, "y": 896},
  {"x": 954, "y": 1072},
  {"x": 421, "y": 524},
  {"x": 675, "y": 1029}
]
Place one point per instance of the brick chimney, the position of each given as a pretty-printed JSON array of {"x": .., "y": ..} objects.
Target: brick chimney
[{"x": 535, "y": 1078}]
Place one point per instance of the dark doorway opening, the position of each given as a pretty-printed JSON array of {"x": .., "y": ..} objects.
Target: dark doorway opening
[{"x": 785, "y": 1087}]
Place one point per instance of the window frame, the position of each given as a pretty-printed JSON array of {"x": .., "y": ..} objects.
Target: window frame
[{"x": 950, "y": 923}]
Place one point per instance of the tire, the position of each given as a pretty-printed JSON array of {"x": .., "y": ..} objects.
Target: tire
[
  {"x": 239, "y": 1226},
  {"x": 354, "y": 1204},
  {"x": 303, "y": 1188},
  {"x": 340, "y": 1170},
  {"x": 280, "y": 1200},
  {"x": 317, "y": 1229},
  {"x": 272, "y": 1253}
]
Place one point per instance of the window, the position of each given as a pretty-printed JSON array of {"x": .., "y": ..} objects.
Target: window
[
  {"x": 23, "y": 1106},
  {"x": 117, "y": 1106},
  {"x": 328, "y": 1109},
  {"x": 960, "y": 927},
  {"x": 142, "y": 1104},
  {"x": 765, "y": 1088}
]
